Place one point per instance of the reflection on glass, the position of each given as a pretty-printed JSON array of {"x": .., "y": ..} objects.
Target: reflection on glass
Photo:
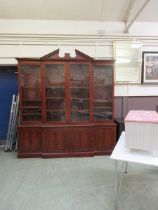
[
  {"x": 79, "y": 92},
  {"x": 31, "y": 92},
  {"x": 55, "y": 92},
  {"x": 102, "y": 92}
]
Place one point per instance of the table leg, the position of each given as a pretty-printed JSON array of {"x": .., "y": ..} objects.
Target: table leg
[
  {"x": 116, "y": 184},
  {"x": 126, "y": 167}
]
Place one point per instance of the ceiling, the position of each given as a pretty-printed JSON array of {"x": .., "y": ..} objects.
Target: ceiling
[{"x": 85, "y": 10}]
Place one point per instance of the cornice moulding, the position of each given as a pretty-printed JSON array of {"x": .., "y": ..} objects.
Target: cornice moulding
[{"x": 82, "y": 39}]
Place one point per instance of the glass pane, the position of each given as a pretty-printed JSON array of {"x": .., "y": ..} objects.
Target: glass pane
[
  {"x": 102, "y": 92},
  {"x": 55, "y": 92},
  {"x": 31, "y": 92},
  {"x": 79, "y": 92}
]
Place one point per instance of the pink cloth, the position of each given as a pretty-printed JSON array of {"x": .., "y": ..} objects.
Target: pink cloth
[{"x": 142, "y": 116}]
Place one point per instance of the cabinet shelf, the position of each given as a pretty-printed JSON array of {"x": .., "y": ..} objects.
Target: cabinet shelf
[
  {"x": 31, "y": 100},
  {"x": 74, "y": 98},
  {"x": 99, "y": 107},
  {"x": 55, "y": 110},
  {"x": 55, "y": 98},
  {"x": 54, "y": 87},
  {"x": 27, "y": 114},
  {"x": 31, "y": 88},
  {"x": 79, "y": 84},
  {"x": 80, "y": 110},
  {"x": 102, "y": 85},
  {"x": 101, "y": 100},
  {"x": 83, "y": 82},
  {"x": 55, "y": 113},
  {"x": 85, "y": 88},
  {"x": 31, "y": 107}
]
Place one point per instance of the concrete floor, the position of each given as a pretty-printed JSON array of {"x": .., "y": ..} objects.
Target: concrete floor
[{"x": 73, "y": 184}]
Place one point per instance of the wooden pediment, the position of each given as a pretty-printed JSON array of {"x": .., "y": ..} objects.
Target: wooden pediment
[
  {"x": 55, "y": 56},
  {"x": 51, "y": 56}
]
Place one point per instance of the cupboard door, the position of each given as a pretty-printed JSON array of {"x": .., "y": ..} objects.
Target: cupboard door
[
  {"x": 103, "y": 92},
  {"x": 55, "y": 92},
  {"x": 104, "y": 138},
  {"x": 30, "y": 140},
  {"x": 81, "y": 139},
  {"x": 30, "y": 79},
  {"x": 80, "y": 92},
  {"x": 55, "y": 140}
]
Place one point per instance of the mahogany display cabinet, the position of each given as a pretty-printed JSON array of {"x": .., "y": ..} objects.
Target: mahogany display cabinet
[{"x": 66, "y": 106}]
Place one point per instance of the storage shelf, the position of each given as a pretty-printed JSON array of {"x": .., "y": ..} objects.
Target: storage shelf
[
  {"x": 56, "y": 113},
  {"x": 106, "y": 107},
  {"x": 80, "y": 110},
  {"x": 24, "y": 114},
  {"x": 79, "y": 98},
  {"x": 31, "y": 100},
  {"x": 101, "y": 100},
  {"x": 55, "y": 84},
  {"x": 103, "y": 85},
  {"x": 54, "y": 110},
  {"x": 54, "y": 87},
  {"x": 32, "y": 88},
  {"x": 55, "y": 98},
  {"x": 31, "y": 107},
  {"x": 86, "y": 88}
]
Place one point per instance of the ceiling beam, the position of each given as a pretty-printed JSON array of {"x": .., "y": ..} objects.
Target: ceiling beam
[
  {"x": 129, "y": 10},
  {"x": 102, "y": 10},
  {"x": 136, "y": 15}
]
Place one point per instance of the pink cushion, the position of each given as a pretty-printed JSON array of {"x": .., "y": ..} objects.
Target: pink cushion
[{"x": 142, "y": 116}]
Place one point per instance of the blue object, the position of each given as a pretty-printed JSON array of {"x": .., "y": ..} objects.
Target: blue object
[{"x": 8, "y": 87}]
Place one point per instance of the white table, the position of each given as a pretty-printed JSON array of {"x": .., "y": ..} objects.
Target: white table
[{"x": 120, "y": 153}]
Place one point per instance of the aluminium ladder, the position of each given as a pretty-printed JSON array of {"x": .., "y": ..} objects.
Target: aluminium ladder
[{"x": 12, "y": 126}]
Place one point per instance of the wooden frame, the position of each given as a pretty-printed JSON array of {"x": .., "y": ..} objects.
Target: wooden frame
[
  {"x": 127, "y": 63},
  {"x": 150, "y": 67}
]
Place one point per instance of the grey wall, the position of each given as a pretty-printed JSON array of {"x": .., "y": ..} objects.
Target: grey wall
[{"x": 124, "y": 104}]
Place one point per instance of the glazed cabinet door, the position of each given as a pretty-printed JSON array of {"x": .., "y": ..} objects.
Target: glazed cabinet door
[
  {"x": 103, "y": 92},
  {"x": 55, "y": 92},
  {"x": 79, "y": 92},
  {"x": 104, "y": 138},
  {"x": 80, "y": 139},
  {"x": 30, "y": 140},
  {"x": 30, "y": 92},
  {"x": 55, "y": 140}
]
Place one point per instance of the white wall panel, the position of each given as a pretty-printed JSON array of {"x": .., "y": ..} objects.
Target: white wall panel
[
  {"x": 33, "y": 38},
  {"x": 136, "y": 90}
]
